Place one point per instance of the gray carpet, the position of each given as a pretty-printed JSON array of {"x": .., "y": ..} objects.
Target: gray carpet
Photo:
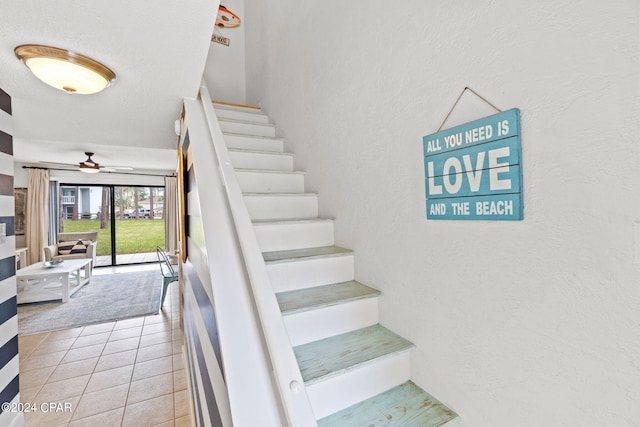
[{"x": 105, "y": 298}]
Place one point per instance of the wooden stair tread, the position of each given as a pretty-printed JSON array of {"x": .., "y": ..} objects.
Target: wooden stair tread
[
  {"x": 245, "y": 135},
  {"x": 301, "y": 254},
  {"x": 270, "y": 153},
  {"x": 270, "y": 171},
  {"x": 246, "y": 122},
  {"x": 406, "y": 405},
  {"x": 291, "y": 221},
  {"x": 301, "y": 300},
  {"x": 332, "y": 356},
  {"x": 231, "y": 105},
  {"x": 280, "y": 194}
]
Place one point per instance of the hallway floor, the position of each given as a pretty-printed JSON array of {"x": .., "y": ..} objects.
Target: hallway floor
[
  {"x": 125, "y": 373},
  {"x": 144, "y": 257}
]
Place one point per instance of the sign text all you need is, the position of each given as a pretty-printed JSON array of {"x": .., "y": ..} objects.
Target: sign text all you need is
[{"x": 474, "y": 171}]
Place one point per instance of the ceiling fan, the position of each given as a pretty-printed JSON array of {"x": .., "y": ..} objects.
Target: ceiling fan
[{"x": 90, "y": 166}]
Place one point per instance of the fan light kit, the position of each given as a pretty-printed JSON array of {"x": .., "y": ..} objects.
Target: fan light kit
[
  {"x": 65, "y": 70},
  {"x": 89, "y": 166}
]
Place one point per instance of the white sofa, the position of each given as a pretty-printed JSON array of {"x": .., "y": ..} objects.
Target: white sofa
[{"x": 73, "y": 246}]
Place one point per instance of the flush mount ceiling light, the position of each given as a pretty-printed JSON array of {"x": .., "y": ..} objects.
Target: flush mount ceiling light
[{"x": 64, "y": 70}]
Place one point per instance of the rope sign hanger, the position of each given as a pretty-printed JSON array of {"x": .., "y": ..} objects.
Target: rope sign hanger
[{"x": 467, "y": 88}]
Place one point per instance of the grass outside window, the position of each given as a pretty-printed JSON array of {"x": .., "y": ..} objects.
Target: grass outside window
[{"x": 133, "y": 236}]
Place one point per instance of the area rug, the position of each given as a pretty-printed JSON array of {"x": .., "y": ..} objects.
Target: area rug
[{"x": 105, "y": 298}]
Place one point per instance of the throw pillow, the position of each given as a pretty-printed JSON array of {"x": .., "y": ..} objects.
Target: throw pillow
[{"x": 67, "y": 247}]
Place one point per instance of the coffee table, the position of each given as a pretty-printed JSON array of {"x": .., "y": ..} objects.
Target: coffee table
[{"x": 39, "y": 283}]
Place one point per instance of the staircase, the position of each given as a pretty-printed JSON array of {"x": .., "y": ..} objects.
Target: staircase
[{"x": 356, "y": 372}]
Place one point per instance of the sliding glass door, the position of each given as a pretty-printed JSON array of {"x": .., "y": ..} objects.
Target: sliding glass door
[
  {"x": 139, "y": 223},
  {"x": 129, "y": 236},
  {"x": 87, "y": 208}
]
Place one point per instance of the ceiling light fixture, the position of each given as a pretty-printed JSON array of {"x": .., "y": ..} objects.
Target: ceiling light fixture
[
  {"x": 89, "y": 166},
  {"x": 64, "y": 70}
]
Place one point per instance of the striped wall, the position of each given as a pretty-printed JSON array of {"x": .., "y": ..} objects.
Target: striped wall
[
  {"x": 8, "y": 307},
  {"x": 208, "y": 388}
]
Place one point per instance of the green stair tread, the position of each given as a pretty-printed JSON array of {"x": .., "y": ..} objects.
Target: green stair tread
[
  {"x": 280, "y": 194},
  {"x": 299, "y": 254},
  {"x": 331, "y": 356},
  {"x": 244, "y": 135},
  {"x": 406, "y": 405},
  {"x": 236, "y": 107},
  {"x": 266, "y": 152},
  {"x": 289, "y": 221},
  {"x": 271, "y": 171},
  {"x": 301, "y": 300},
  {"x": 245, "y": 122}
]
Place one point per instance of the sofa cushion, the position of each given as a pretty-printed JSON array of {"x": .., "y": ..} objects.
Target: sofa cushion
[{"x": 67, "y": 247}]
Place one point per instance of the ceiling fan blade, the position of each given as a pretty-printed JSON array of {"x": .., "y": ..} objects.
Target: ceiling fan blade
[
  {"x": 57, "y": 163},
  {"x": 89, "y": 163},
  {"x": 120, "y": 168}
]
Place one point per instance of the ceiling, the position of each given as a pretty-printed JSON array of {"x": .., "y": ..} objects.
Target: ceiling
[{"x": 158, "y": 50}]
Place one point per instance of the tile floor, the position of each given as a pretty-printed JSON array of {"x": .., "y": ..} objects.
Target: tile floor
[
  {"x": 125, "y": 373},
  {"x": 127, "y": 259}
]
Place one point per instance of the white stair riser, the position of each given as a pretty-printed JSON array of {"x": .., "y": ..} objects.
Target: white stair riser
[
  {"x": 248, "y": 128},
  {"x": 245, "y": 142},
  {"x": 246, "y": 116},
  {"x": 250, "y": 160},
  {"x": 297, "y": 235},
  {"x": 270, "y": 182},
  {"x": 282, "y": 207},
  {"x": 289, "y": 276},
  {"x": 358, "y": 384},
  {"x": 314, "y": 325}
]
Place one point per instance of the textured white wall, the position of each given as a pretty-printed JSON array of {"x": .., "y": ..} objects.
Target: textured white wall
[
  {"x": 517, "y": 323},
  {"x": 225, "y": 69}
]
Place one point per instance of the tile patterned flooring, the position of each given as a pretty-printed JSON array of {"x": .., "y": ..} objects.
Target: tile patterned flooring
[{"x": 124, "y": 373}]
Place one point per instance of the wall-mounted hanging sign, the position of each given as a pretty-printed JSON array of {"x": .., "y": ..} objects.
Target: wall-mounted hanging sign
[
  {"x": 217, "y": 38},
  {"x": 474, "y": 171}
]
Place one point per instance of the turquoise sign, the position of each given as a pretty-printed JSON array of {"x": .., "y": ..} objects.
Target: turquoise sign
[{"x": 474, "y": 171}]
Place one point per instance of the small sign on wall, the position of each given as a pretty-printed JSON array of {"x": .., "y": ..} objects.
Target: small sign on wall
[
  {"x": 220, "y": 40},
  {"x": 224, "y": 19},
  {"x": 474, "y": 171}
]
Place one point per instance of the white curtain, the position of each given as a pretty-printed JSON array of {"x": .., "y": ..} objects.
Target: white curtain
[
  {"x": 37, "y": 214},
  {"x": 171, "y": 213}
]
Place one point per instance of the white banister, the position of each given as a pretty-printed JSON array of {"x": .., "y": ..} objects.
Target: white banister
[
  {"x": 287, "y": 381},
  {"x": 242, "y": 384}
]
